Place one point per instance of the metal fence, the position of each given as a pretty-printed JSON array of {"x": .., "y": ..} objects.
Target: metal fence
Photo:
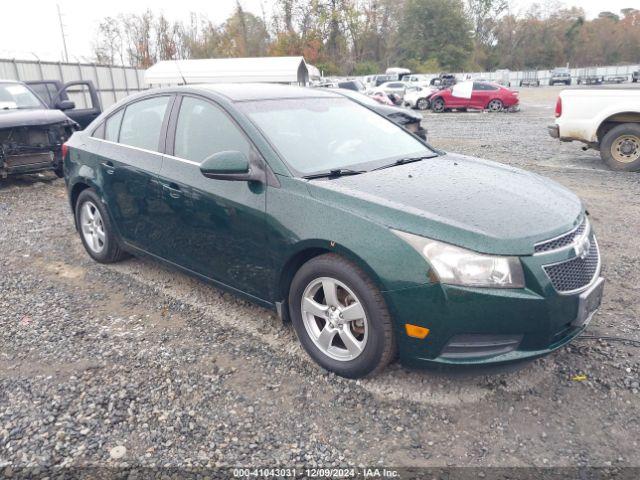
[
  {"x": 545, "y": 75},
  {"x": 112, "y": 82}
]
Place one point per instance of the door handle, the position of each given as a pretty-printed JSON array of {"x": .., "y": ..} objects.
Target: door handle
[
  {"x": 173, "y": 190},
  {"x": 108, "y": 166}
]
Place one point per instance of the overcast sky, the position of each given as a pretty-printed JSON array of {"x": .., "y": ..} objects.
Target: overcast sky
[{"x": 30, "y": 29}]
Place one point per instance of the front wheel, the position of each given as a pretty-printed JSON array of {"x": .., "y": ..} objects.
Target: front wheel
[
  {"x": 495, "y": 105},
  {"x": 340, "y": 317},
  {"x": 438, "y": 105},
  {"x": 620, "y": 147},
  {"x": 96, "y": 231},
  {"x": 422, "y": 104}
]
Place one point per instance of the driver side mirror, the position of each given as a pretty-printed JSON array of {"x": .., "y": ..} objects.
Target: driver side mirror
[
  {"x": 231, "y": 165},
  {"x": 65, "y": 105}
]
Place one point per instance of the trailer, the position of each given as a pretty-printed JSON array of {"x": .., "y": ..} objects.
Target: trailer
[{"x": 530, "y": 79}]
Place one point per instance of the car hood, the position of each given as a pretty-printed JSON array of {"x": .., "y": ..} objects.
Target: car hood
[
  {"x": 476, "y": 204},
  {"x": 31, "y": 117}
]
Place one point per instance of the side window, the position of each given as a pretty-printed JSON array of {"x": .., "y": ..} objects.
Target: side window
[
  {"x": 99, "y": 131},
  {"x": 142, "y": 123},
  {"x": 112, "y": 127},
  {"x": 42, "y": 91},
  {"x": 204, "y": 129}
]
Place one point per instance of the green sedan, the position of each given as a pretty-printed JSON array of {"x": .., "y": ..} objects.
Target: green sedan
[{"x": 372, "y": 243}]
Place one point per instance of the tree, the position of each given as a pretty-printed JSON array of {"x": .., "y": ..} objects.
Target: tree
[{"x": 435, "y": 29}]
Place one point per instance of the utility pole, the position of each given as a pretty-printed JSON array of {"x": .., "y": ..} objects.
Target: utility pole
[{"x": 64, "y": 39}]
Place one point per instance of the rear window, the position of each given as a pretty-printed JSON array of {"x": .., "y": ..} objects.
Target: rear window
[
  {"x": 142, "y": 123},
  {"x": 112, "y": 128}
]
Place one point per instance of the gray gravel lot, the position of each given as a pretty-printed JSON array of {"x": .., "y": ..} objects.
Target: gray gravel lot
[{"x": 178, "y": 373}]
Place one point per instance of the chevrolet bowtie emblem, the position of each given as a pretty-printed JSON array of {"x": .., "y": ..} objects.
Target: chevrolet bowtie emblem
[{"x": 582, "y": 247}]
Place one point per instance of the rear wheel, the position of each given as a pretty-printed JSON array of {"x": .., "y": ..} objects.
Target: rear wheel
[
  {"x": 340, "y": 317},
  {"x": 438, "y": 105},
  {"x": 95, "y": 229},
  {"x": 495, "y": 105},
  {"x": 620, "y": 147},
  {"x": 422, "y": 104}
]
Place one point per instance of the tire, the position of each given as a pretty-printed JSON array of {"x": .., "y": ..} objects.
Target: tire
[
  {"x": 422, "y": 104},
  {"x": 59, "y": 171},
  {"x": 95, "y": 229},
  {"x": 495, "y": 105},
  {"x": 321, "y": 334},
  {"x": 620, "y": 147},
  {"x": 438, "y": 105}
]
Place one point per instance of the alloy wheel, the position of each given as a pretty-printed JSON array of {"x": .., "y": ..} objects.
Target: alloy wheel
[
  {"x": 334, "y": 318},
  {"x": 438, "y": 105},
  {"x": 423, "y": 104},
  {"x": 626, "y": 148},
  {"x": 92, "y": 227},
  {"x": 495, "y": 105}
]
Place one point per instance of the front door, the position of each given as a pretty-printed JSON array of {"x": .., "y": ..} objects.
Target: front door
[{"x": 213, "y": 227}]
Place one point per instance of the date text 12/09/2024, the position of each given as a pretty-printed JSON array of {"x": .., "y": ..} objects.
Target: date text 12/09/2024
[{"x": 315, "y": 473}]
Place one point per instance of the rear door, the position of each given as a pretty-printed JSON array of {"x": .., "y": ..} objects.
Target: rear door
[
  {"x": 213, "y": 227},
  {"x": 130, "y": 160},
  {"x": 479, "y": 95}
]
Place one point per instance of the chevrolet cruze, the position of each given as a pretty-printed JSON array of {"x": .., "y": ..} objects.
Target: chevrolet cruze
[{"x": 372, "y": 243}]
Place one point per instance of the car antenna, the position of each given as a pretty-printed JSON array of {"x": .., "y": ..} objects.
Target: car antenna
[{"x": 184, "y": 81}]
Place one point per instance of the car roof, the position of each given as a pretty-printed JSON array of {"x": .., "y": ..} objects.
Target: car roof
[{"x": 239, "y": 92}]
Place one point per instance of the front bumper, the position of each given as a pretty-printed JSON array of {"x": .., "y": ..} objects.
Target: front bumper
[{"x": 478, "y": 326}]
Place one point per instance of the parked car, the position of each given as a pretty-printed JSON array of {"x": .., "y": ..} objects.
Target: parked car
[
  {"x": 635, "y": 76},
  {"x": 56, "y": 95},
  {"x": 378, "y": 80},
  {"x": 444, "y": 80},
  {"x": 606, "y": 119},
  {"x": 31, "y": 135},
  {"x": 355, "y": 85},
  {"x": 394, "y": 88},
  {"x": 530, "y": 79},
  {"x": 369, "y": 241},
  {"x": 615, "y": 79},
  {"x": 381, "y": 97},
  {"x": 407, "y": 119},
  {"x": 419, "y": 97},
  {"x": 476, "y": 95},
  {"x": 560, "y": 75}
]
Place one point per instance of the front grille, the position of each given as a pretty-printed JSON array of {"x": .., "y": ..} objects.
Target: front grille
[
  {"x": 576, "y": 273},
  {"x": 563, "y": 240}
]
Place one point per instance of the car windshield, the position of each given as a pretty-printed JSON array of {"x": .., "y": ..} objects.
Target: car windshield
[
  {"x": 322, "y": 134},
  {"x": 16, "y": 95}
]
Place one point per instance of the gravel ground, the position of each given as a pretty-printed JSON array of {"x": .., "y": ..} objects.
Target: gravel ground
[{"x": 134, "y": 364}]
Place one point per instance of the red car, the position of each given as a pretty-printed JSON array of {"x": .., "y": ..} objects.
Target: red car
[{"x": 476, "y": 95}]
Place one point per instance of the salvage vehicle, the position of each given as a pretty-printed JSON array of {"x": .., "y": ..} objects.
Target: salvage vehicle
[
  {"x": 407, "y": 119},
  {"x": 396, "y": 89},
  {"x": 605, "y": 119},
  {"x": 560, "y": 75},
  {"x": 418, "y": 97},
  {"x": 369, "y": 241},
  {"x": 475, "y": 95},
  {"x": 31, "y": 135},
  {"x": 55, "y": 95},
  {"x": 444, "y": 80}
]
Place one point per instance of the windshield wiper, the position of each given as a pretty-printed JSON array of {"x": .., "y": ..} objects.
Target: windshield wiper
[
  {"x": 402, "y": 161},
  {"x": 336, "y": 172}
]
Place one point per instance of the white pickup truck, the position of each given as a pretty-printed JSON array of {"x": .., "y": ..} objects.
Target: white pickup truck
[{"x": 604, "y": 119}]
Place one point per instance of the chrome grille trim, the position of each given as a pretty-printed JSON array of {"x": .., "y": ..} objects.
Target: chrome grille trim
[
  {"x": 554, "y": 272},
  {"x": 566, "y": 240}
]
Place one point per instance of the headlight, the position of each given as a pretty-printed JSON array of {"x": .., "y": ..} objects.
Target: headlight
[{"x": 458, "y": 266}]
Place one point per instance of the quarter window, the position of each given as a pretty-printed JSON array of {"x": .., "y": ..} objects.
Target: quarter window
[
  {"x": 142, "y": 123},
  {"x": 113, "y": 126},
  {"x": 204, "y": 129}
]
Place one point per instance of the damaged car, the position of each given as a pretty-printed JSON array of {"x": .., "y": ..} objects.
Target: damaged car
[{"x": 31, "y": 135}]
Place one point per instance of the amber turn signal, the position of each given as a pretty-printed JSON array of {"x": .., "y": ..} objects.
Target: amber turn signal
[{"x": 415, "y": 331}]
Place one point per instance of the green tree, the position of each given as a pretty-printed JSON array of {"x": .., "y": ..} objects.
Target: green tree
[{"x": 435, "y": 29}]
